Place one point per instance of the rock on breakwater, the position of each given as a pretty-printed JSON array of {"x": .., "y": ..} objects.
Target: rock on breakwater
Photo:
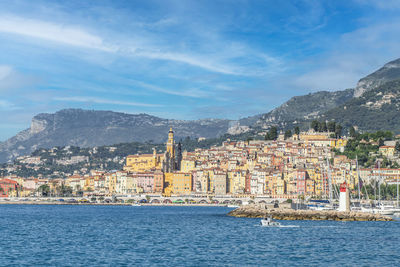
[{"x": 259, "y": 211}]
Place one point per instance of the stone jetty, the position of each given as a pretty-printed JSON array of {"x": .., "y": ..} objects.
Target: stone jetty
[{"x": 260, "y": 211}]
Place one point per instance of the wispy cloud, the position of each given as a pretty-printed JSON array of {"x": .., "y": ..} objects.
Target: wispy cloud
[
  {"x": 96, "y": 100},
  {"x": 148, "y": 47},
  {"x": 6, "y": 105},
  {"x": 342, "y": 66},
  {"x": 64, "y": 34},
  {"x": 190, "y": 60},
  {"x": 382, "y": 4},
  {"x": 195, "y": 93}
]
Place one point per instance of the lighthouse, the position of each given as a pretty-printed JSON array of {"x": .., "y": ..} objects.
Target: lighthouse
[{"x": 344, "y": 198}]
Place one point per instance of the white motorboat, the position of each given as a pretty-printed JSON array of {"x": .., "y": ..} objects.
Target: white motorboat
[
  {"x": 378, "y": 210},
  {"x": 135, "y": 205},
  {"x": 269, "y": 222},
  {"x": 384, "y": 211},
  {"x": 233, "y": 206}
]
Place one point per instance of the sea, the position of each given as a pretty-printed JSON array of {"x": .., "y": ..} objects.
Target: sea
[{"x": 77, "y": 235}]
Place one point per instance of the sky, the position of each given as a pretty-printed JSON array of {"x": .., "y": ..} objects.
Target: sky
[{"x": 184, "y": 59}]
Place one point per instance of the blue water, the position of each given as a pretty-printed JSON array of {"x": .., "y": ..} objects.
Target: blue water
[{"x": 184, "y": 236}]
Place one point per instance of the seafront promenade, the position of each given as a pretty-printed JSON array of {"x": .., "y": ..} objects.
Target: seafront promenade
[
  {"x": 150, "y": 199},
  {"x": 261, "y": 211}
]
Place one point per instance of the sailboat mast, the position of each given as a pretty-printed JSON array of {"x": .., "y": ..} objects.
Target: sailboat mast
[
  {"x": 358, "y": 180},
  {"x": 329, "y": 183},
  {"x": 323, "y": 181},
  {"x": 379, "y": 182},
  {"x": 397, "y": 191}
]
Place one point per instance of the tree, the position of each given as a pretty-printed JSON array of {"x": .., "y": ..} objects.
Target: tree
[
  {"x": 352, "y": 132},
  {"x": 338, "y": 130},
  {"x": 323, "y": 126},
  {"x": 272, "y": 133},
  {"x": 397, "y": 146},
  {"x": 288, "y": 134},
  {"x": 331, "y": 126},
  {"x": 381, "y": 142},
  {"x": 315, "y": 125},
  {"x": 297, "y": 130}
]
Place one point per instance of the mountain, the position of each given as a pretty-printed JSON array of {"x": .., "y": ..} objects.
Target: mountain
[
  {"x": 88, "y": 128},
  {"x": 371, "y": 105},
  {"x": 376, "y": 109},
  {"x": 299, "y": 110},
  {"x": 389, "y": 72},
  {"x": 304, "y": 108}
]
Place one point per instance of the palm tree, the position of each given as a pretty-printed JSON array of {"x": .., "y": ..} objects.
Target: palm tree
[{"x": 44, "y": 190}]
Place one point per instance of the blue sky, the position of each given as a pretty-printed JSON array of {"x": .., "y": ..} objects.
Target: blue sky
[{"x": 184, "y": 59}]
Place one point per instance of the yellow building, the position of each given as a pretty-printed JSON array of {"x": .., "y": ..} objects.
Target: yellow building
[
  {"x": 188, "y": 164},
  {"x": 178, "y": 183},
  {"x": 111, "y": 182},
  {"x": 280, "y": 186},
  {"x": 310, "y": 187},
  {"x": 311, "y": 135},
  {"x": 237, "y": 181},
  {"x": 89, "y": 183},
  {"x": 144, "y": 162},
  {"x": 338, "y": 143},
  {"x": 387, "y": 151}
]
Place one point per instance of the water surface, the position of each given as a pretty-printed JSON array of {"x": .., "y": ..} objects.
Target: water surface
[{"x": 184, "y": 236}]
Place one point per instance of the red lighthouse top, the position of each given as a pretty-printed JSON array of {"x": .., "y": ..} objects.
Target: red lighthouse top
[{"x": 343, "y": 187}]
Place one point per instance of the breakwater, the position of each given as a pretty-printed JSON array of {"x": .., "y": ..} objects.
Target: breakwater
[{"x": 260, "y": 211}]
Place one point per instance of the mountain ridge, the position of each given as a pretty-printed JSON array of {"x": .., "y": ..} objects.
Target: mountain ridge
[
  {"x": 389, "y": 72},
  {"x": 87, "y": 128}
]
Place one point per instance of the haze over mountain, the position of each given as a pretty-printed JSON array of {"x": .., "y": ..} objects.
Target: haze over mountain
[{"x": 376, "y": 108}]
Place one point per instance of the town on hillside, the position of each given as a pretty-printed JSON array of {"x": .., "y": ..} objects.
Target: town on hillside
[{"x": 295, "y": 165}]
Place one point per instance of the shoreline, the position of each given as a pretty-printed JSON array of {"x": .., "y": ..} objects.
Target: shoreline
[{"x": 109, "y": 204}]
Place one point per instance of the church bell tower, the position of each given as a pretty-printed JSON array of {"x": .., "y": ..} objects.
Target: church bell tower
[{"x": 171, "y": 144}]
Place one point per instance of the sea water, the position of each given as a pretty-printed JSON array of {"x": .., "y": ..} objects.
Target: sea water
[{"x": 54, "y": 235}]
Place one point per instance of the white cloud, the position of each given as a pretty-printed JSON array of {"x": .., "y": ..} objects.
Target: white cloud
[
  {"x": 64, "y": 34},
  {"x": 103, "y": 101}
]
